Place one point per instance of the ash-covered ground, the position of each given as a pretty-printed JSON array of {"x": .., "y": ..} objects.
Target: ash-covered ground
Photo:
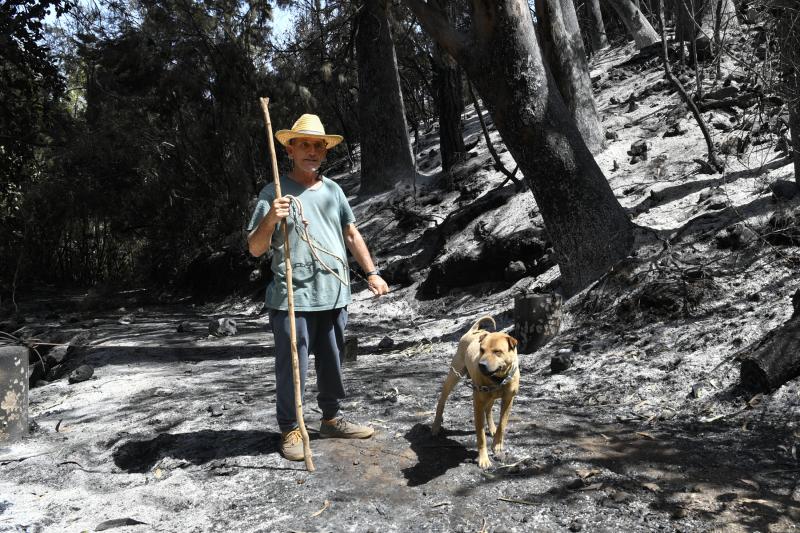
[{"x": 648, "y": 430}]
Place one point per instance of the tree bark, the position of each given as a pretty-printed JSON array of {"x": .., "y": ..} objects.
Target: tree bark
[
  {"x": 537, "y": 319},
  {"x": 597, "y": 28},
  {"x": 789, "y": 29},
  {"x": 775, "y": 360},
  {"x": 386, "y": 156},
  {"x": 563, "y": 50},
  {"x": 589, "y": 229},
  {"x": 794, "y": 127},
  {"x": 449, "y": 99},
  {"x": 636, "y": 23},
  {"x": 703, "y": 20}
]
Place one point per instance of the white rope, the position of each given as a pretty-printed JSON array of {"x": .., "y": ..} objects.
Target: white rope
[{"x": 305, "y": 236}]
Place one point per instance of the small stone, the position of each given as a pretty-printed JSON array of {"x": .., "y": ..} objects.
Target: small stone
[
  {"x": 639, "y": 147},
  {"x": 576, "y": 525},
  {"x": 350, "y": 350},
  {"x": 215, "y": 410},
  {"x": 676, "y": 129},
  {"x": 730, "y": 91},
  {"x": 515, "y": 271},
  {"x": 699, "y": 390},
  {"x": 561, "y": 361},
  {"x": 126, "y": 319},
  {"x": 754, "y": 297},
  {"x": 82, "y": 373},
  {"x": 223, "y": 327},
  {"x": 612, "y": 135},
  {"x": 576, "y": 484},
  {"x": 386, "y": 343},
  {"x": 184, "y": 327}
]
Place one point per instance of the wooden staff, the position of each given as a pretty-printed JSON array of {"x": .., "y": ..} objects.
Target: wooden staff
[{"x": 298, "y": 394}]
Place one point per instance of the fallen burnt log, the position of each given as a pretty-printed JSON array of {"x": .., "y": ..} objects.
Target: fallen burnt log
[{"x": 775, "y": 360}]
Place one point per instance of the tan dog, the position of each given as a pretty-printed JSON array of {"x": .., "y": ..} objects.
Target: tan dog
[{"x": 490, "y": 359}]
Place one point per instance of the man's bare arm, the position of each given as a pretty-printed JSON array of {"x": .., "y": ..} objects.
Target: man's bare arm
[{"x": 355, "y": 243}]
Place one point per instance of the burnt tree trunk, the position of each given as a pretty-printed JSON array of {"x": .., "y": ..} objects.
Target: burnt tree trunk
[
  {"x": 703, "y": 21},
  {"x": 449, "y": 99},
  {"x": 789, "y": 29},
  {"x": 589, "y": 229},
  {"x": 636, "y": 23},
  {"x": 794, "y": 126},
  {"x": 537, "y": 319},
  {"x": 775, "y": 360},
  {"x": 386, "y": 156},
  {"x": 563, "y": 50},
  {"x": 597, "y": 29}
]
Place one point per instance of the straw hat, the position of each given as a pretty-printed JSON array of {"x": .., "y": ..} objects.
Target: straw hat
[{"x": 308, "y": 126}]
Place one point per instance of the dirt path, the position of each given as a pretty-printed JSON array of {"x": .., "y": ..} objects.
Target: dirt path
[{"x": 176, "y": 431}]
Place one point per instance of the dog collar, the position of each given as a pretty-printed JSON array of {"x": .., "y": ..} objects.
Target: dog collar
[{"x": 488, "y": 388}]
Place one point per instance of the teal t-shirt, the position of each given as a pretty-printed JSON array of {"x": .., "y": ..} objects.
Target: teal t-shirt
[{"x": 327, "y": 211}]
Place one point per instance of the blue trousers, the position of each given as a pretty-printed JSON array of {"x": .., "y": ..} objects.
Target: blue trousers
[{"x": 320, "y": 333}]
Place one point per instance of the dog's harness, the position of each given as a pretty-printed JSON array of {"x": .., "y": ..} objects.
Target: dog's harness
[{"x": 486, "y": 388}]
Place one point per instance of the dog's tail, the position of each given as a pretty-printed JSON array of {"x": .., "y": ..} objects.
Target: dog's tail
[{"x": 476, "y": 326}]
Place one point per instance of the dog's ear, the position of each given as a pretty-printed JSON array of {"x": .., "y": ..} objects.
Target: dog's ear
[
  {"x": 482, "y": 336},
  {"x": 512, "y": 342}
]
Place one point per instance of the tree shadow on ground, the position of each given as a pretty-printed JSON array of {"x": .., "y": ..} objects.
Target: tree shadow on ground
[
  {"x": 198, "y": 448},
  {"x": 715, "y": 472},
  {"x": 432, "y": 461}
]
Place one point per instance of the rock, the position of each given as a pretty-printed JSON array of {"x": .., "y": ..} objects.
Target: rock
[
  {"x": 714, "y": 199},
  {"x": 561, "y": 361},
  {"x": 676, "y": 128},
  {"x": 796, "y": 302},
  {"x": 215, "y": 410},
  {"x": 56, "y": 372},
  {"x": 82, "y": 373},
  {"x": 639, "y": 148},
  {"x": 576, "y": 525},
  {"x": 734, "y": 237},
  {"x": 632, "y": 105},
  {"x": 612, "y": 135},
  {"x": 386, "y": 343},
  {"x": 729, "y": 91},
  {"x": 515, "y": 271},
  {"x": 783, "y": 190},
  {"x": 720, "y": 121},
  {"x": 576, "y": 484},
  {"x": 635, "y": 159},
  {"x": 699, "y": 390},
  {"x": 784, "y": 228},
  {"x": 57, "y": 355},
  {"x": 222, "y": 327},
  {"x": 350, "y": 350},
  {"x": 620, "y": 496},
  {"x": 126, "y": 319},
  {"x": 613, "y": 100},
  {"x": 184, "y": 327}
]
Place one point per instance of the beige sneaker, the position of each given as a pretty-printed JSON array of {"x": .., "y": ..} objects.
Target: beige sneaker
[
  {"x": 292, "y": 445},
  {"x": 339, "y": 428}
]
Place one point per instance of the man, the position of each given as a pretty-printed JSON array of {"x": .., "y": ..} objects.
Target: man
[{"x": 321, "y": 291}]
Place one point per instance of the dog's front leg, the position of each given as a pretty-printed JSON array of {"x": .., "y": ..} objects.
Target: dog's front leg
[
  {"x": 505, "y": 413},
  {"x": 489, "y": 417},
  {"x": 449, "y": 383},
  {"x": 479, "y": 410}
]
